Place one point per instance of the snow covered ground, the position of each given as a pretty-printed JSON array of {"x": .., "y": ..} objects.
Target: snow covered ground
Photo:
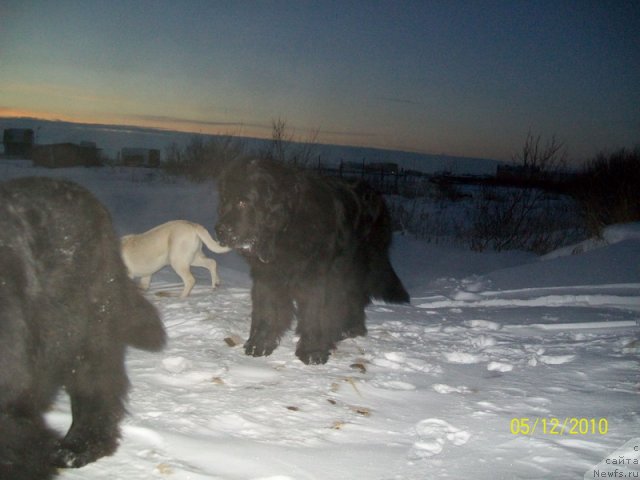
[{"x": 504, "y": 365}]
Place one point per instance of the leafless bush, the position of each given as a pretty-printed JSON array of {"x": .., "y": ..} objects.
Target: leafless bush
[
  {"x": 203, "y": 158},
  {"x": 523, "y": 219},
  {"x": 284, "y": 148},
  {"x": 427, "y": 218},
  {"x": 609, "y": 190},
  {"x": 541, "y": 161},
  {"x": 526, "y": 218}
]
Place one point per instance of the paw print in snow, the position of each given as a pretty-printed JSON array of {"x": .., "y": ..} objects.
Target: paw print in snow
[{"x": 433, "y": 435}]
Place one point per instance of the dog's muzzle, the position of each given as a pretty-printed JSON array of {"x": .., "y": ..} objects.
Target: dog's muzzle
[
  {"x": 228, "y": 238},
  {"x": 225, "y": 235}
]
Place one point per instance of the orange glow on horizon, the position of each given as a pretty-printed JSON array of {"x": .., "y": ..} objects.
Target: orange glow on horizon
[
  {"x": 200, "y": 127},
  {"x": 21, "y": 113},
  {"x": 184, "y": 126}
]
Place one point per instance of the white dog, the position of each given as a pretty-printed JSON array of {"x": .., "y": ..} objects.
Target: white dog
[{"x": 177, "y": 243}]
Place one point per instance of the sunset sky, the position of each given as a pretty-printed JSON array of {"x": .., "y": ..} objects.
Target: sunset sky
[{"x": 467, "y": 78}]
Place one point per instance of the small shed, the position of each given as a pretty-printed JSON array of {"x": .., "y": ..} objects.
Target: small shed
[
  {"x": 58, "y": 155},
  {"x": 18, "y": 142},
  {"x": 140, "y": 157}
]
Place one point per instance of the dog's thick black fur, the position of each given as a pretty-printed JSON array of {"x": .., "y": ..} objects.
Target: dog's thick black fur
[
  {"x": 67, "y": 313},
  {"x": 318, "y": 251}
]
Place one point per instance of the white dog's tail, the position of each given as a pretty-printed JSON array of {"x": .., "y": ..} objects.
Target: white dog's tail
[{"x": 211, "y": 244}]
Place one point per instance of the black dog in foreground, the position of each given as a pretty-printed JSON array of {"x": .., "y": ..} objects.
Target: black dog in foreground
[
  {"x": 67, "y": 313},
  {"x": 318, "y": 251}
]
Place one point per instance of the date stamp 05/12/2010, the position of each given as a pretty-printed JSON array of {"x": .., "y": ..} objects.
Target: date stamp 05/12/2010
[
  {"x": 558, "y": 426},
  {"x": 622, "y": 463}
]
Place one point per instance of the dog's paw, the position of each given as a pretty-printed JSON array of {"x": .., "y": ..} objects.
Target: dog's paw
[
  {"x": 77, "y": 454},
  {"x": 313, "y": 358},
  {"x": 355, "y": 331},
  {"x": 259, "y": 348},
  {"x": 65, "y": 458}
]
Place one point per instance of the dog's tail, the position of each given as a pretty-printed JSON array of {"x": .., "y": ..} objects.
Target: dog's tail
[
  {"x": 137, "y": 321},
  {"x": 143, "y": 328},
  {"x": 384, "y": 283},
  {"x": 208, "y": 240}
]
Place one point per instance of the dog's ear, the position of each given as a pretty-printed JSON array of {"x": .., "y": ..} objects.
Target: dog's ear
[{"x": 235, "y": 167}]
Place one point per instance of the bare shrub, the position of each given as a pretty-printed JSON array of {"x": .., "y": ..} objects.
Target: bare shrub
[
  {"x": 429, "y": 217},
  {"x": 284, "y": 148},
  {"x": 541, "y": 161},
  {"x": 203, "y": 158},
  {"x": 609, "y": 190},
  {"x": 525, "y": 217}
]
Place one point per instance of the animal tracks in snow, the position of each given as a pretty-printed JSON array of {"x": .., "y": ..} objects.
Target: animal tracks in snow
[
  {"x": 434, "y": 435},
  {"x": 446, "y": 389},
  {"x": 616, "y": 295},
  {"x": 392, "y": 387}
]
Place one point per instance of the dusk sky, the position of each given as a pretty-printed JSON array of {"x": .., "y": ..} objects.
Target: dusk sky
[{"x": 468, "y": 78}]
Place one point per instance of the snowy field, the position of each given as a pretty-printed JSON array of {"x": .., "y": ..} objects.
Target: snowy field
[{"x": 504, "y": 366}]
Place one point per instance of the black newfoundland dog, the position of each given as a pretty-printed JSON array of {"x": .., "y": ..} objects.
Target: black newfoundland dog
[
  {"x": 318, "y": 251},
  {"x": 67, "y": 313}
]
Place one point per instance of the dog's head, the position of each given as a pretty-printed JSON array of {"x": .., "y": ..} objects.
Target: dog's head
[{"x": 255, "y": 206}]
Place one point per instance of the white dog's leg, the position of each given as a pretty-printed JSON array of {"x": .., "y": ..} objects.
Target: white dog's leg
[
  {"x": 184, "y": 272},
  {"x": 145, "y": 282},
  {"x": 210, "y": 264}
]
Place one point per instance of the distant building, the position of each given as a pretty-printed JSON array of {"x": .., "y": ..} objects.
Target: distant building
[
  {"x": 59, "y": 155},
  {"x": 140, "y": 157},
  {"x": 18, "y": 142}
]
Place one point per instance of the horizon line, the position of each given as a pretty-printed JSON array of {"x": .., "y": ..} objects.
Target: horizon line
[{"x": 153, "y": 128}]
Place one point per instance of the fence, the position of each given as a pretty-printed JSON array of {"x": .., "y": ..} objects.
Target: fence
[{"x": 387, "y": 178}]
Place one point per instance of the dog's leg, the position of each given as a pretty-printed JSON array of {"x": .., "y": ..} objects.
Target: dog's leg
[
  {"x": 145, "y": 282},
  {"x": 319, "y": 318},
  {"x": 97, "y": 386},
  {"x": 271, "y": 316},
  {"x": 200, "y": 260},
  {"x": 354, "y": 298},
  {"x": 354, "y": 321},
  {"x": 25, "y": 447},
  {"x": 25, "y": 441},
  {"x": 181, "y": 267}
]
